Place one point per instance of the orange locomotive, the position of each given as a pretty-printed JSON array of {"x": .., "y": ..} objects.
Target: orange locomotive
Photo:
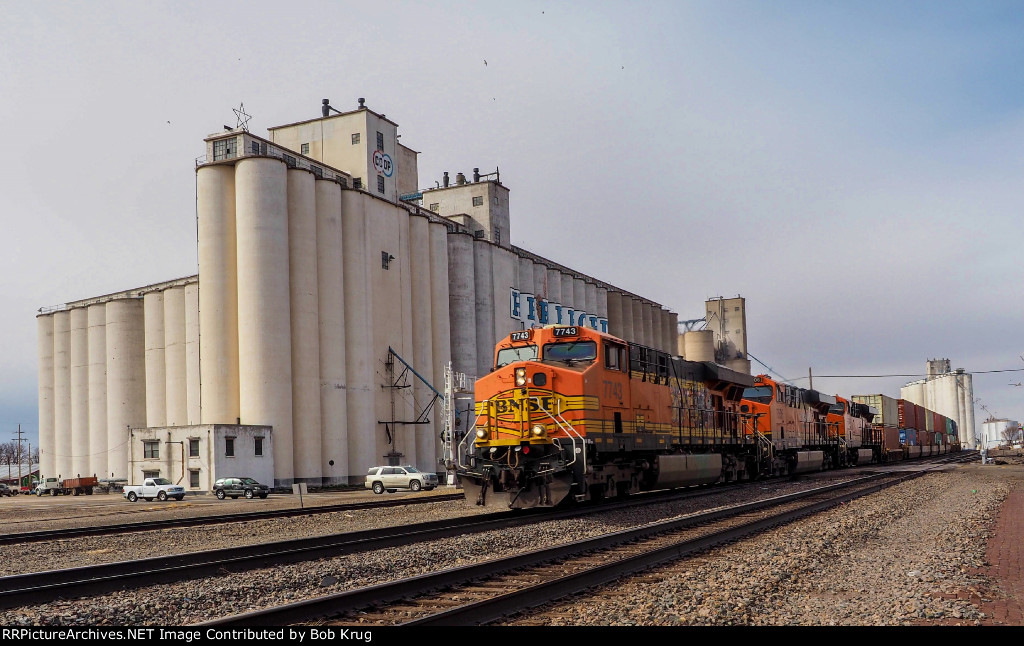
[
  {"x": 571, "y": 412},
  {"x": 809, "y": 430}
]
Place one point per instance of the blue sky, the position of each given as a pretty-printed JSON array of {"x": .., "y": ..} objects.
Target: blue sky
[{"x": 851, "y": 168}]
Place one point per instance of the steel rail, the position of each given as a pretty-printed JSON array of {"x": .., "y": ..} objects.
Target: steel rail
[
  {"x": 40, "y": 587},
  {"x": 352, "y": 600},
  {"x": 150, "y": 525}
]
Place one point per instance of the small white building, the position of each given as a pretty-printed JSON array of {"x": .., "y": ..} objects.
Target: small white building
[{"x": 196, "y": 456}]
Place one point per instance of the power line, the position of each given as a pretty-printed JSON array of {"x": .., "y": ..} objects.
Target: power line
[{"x": 966, "y": 372}]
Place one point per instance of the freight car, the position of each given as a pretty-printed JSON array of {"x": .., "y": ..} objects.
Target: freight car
[{"x": 573, "y": 414}]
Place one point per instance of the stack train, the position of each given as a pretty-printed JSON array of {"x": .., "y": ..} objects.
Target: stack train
[{"x": 570, "y": 414}]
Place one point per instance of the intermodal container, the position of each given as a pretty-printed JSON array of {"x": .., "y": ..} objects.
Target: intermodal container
[
  {"x": 891, "y": 438},
  {"x": 940, "y": 423},
  {"x": 907, "y": 414},
  {"x": 886, "y": 409},
  {"x": 929, "y": 421}
]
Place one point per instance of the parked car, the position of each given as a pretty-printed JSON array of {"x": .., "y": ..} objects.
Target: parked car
[
  {"x": 159, "y": 488},
  {"x": 392, "y": 479},
  {"x": 7, "y": 491},
  {"x": 236, "y": 487}
]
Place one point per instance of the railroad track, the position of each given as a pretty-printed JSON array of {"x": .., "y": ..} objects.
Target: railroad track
[
  {"x": 487, "y": 591},
  {"x": 41, "y": 587},
  {"x": 151, "y": 525},
  {"x": 88, "y": 581}
]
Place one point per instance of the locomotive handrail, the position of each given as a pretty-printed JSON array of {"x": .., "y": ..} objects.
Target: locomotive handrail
[{"x": 566, "y": 428}]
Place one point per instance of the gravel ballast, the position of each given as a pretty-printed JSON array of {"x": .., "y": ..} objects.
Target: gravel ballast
[{"x": 890, "y": 558}]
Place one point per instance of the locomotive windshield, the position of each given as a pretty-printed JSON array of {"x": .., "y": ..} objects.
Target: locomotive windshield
[
  {"x": 838, "y": 408},
  {"x": 572, "y": 351},
  {"x": 520, "y": 353},
  {"x": 759, "y": 394}
]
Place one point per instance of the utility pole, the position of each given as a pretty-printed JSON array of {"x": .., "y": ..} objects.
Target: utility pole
[
  {"x": 810, "y": 379},
  {"x": 20, "y": 439}
]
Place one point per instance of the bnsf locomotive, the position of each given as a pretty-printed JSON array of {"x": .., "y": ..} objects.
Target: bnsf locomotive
[{"x": 572, "y": 414}]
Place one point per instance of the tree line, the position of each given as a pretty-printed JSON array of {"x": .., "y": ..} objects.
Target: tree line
[{"x": 11, "y": 452}]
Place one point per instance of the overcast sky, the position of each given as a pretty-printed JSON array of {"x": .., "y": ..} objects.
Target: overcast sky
[{"x": 853, "y": 169}]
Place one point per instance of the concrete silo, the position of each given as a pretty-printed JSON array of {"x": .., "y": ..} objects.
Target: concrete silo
[
  {"x": 359, "y": 373},
  {"x": 647, "y": 318},
  {"x": 638, "y": 322},
  {"x": 45, "y": 352},
  {"x": 264, "y": 311},
  {"x": 331, "y": 336},
  {"x": 590, "y": 290},
  {"x": 554, "y": 293},
  {"x": 192, "y": 367},
  {"x": 440, "y": 317},
  {"x": 62, "y": 450},
  {"x": 218, "y": 294},
  {"x": 672, "y": 333},
  {"x": 98, "y": 390},
  {"x": 657, "y": 333},
  {"x": 176, "y": 376},
  {"x": 614, "y": 307},
  {"x": 568, "y": 293},
  {"x": 602, "y": 302},
  {"x": 483, "y": 268},
  {"x": 305, "y": 326},
  {"x": 524, "y": 276},
  {"x": 126, "y": 382},
  {"x": 79, "y": 393},
  {"x": 540, "y": 280},
  {"x": 422, "y": 337},
  {"x": 505, "y": 267},
  {"x": 462, "y": 302},
  {"x": 156, "y": 368}
]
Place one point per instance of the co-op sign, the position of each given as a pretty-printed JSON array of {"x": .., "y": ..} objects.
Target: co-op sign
[
  {"x": 382, "y": 162},
  {"x": 536, "y": 311}
]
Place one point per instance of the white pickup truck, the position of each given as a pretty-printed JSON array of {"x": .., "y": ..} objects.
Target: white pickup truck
[{"x": 159, "y": 488}]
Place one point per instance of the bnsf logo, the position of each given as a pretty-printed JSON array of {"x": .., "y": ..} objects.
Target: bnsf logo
[{"x": 506, "y": 406}]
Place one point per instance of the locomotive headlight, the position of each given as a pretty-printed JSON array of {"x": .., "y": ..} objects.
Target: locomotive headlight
[
  {"x": 520, "y": 376},
  {"x": 481, "y": 433},
  {"x": 538, "y": 430}
]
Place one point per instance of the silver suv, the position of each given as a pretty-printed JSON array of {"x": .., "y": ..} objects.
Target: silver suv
[{"x": 394, "y": 478}]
